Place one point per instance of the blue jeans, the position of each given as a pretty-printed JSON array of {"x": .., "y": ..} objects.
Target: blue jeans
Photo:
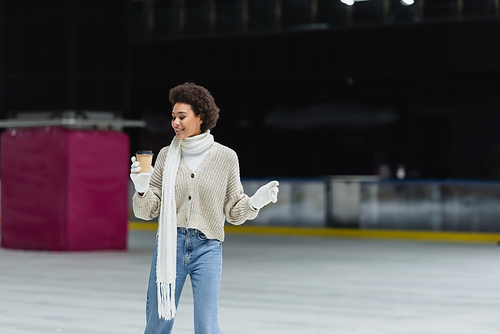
[{"x": 201, "y": 258}]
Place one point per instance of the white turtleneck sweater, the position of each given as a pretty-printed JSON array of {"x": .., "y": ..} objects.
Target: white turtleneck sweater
[{"x": 194, "y": 160}]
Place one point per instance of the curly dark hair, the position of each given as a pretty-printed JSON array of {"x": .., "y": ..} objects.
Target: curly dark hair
[{"x": 200, "y": 100}]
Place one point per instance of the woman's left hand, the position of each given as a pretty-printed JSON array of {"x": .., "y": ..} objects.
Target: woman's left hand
[{"x": 265, "y": 195}]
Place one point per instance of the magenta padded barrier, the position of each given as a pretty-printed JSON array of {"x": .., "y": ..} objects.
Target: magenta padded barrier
[{"x": 64, "y": 190}]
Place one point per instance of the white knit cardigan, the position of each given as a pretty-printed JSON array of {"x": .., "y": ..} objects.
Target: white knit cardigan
[{"x": 215, "y": 189}]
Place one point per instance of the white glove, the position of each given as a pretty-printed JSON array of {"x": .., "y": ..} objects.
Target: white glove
[
  {"x": 141, "y": 180},
  {"x": 265, "y": 195}
]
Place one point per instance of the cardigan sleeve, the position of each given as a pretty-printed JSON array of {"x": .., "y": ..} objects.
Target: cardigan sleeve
[
  {"x": 236, "y": 207},
  {"x": 148, "y": 206}
]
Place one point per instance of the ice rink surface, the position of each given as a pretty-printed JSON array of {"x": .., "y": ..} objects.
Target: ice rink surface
[{"x": 280, "y": 285}]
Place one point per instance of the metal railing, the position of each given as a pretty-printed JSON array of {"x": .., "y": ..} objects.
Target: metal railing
[{"x": 70, "y": 119}]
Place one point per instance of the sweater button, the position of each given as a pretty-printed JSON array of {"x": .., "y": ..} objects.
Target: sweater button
[
  {"x": 192, "y": 175},
  {"x": 189, "y": 197}
]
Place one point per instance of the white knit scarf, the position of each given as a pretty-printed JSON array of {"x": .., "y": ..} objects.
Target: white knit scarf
[{"x": 167, "y": 227}]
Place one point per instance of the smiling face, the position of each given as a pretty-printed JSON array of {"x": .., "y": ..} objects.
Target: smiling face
[{"x": 184, "y": 121}]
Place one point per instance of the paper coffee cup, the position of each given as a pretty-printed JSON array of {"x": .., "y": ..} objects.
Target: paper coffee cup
[{"x": 145, "y": 158}]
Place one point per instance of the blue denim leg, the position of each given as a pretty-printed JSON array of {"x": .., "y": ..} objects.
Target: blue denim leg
[
  {"x": 155, "y": 325},
  {"x": 201, "y": 258},
  {"x": 204, "y": 267}
]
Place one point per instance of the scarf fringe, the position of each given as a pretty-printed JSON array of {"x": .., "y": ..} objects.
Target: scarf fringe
[{"x": 166, "y": 300}]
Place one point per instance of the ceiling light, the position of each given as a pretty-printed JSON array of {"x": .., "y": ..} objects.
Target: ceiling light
[
  {"x": 348, "y": 2},
  {"x": 407, "y": 2}
]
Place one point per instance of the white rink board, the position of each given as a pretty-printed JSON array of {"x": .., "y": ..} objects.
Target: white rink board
[{"x": 300, "y": 203}]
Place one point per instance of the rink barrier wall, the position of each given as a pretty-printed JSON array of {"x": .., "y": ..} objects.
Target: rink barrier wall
[
  {"x": 369, "y": 203},
  {"x": 462, "y": 237}
]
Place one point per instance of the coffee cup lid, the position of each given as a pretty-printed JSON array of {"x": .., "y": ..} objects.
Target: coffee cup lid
[{"x": 146, "y": 152}]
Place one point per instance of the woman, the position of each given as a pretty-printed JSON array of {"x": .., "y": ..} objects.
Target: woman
[{"x": 194, "y": 187}]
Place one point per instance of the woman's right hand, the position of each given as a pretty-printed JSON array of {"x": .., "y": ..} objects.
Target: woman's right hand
[{"x": 141, "y": 180}]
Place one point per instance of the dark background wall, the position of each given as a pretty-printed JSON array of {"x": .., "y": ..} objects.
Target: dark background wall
[
  {"x": 306, "y": 87},
  {"x": 62, "y": 55}
]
